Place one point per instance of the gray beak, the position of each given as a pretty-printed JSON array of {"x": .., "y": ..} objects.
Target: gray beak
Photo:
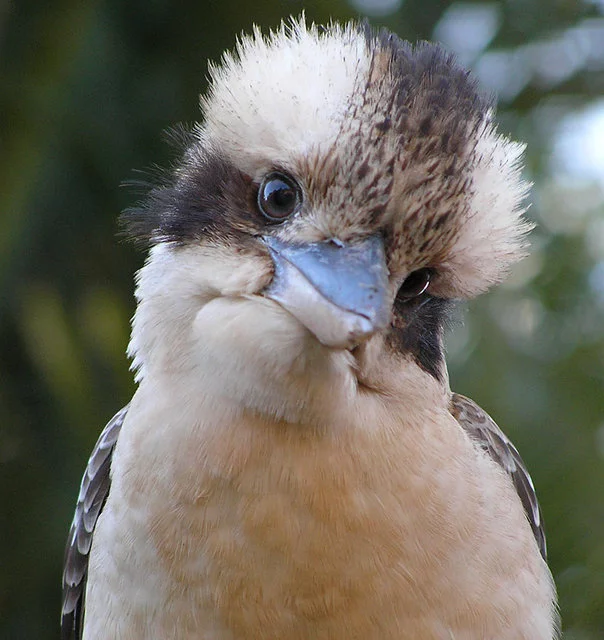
[{"x": 338, "y": 291}]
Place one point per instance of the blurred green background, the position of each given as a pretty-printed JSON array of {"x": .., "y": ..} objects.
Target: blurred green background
[{"x": 86, "y": 89}]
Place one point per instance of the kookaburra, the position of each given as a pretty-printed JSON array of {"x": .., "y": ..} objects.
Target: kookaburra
[{"x": 293, "y": 464}]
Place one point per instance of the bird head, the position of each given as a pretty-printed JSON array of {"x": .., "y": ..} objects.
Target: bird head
[{"x": 342, "y": 189}]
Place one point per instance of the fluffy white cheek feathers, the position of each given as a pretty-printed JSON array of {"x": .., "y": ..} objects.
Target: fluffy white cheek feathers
[
  {"x": 200, "y": 322},
  {"x": 175, "y": 284}
]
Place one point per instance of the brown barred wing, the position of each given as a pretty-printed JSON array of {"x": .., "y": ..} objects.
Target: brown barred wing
[
  {"x": 482, "y": 429},
  {"x": 91, "y": 499}
]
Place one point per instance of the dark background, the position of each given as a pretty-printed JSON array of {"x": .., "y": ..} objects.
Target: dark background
[{"x": 86, "y": 89}]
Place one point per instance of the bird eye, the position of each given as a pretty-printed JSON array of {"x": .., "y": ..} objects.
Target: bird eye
[
  {"x": 415, "y": 284},
  {"x": 278, "y": 197}
]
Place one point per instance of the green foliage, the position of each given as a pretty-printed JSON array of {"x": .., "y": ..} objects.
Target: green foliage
[{"x": 86, "y": 89}]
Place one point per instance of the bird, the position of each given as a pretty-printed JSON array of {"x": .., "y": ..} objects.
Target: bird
[{"x": 293, "y": 463}]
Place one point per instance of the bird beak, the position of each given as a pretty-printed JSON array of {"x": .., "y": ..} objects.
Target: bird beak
[{"x": 338, "y": 291}]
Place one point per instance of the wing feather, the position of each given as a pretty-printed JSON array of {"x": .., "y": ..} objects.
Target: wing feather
[
  {"x": 482, "y": 429},
  {"x": 94, "y": 490}
]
